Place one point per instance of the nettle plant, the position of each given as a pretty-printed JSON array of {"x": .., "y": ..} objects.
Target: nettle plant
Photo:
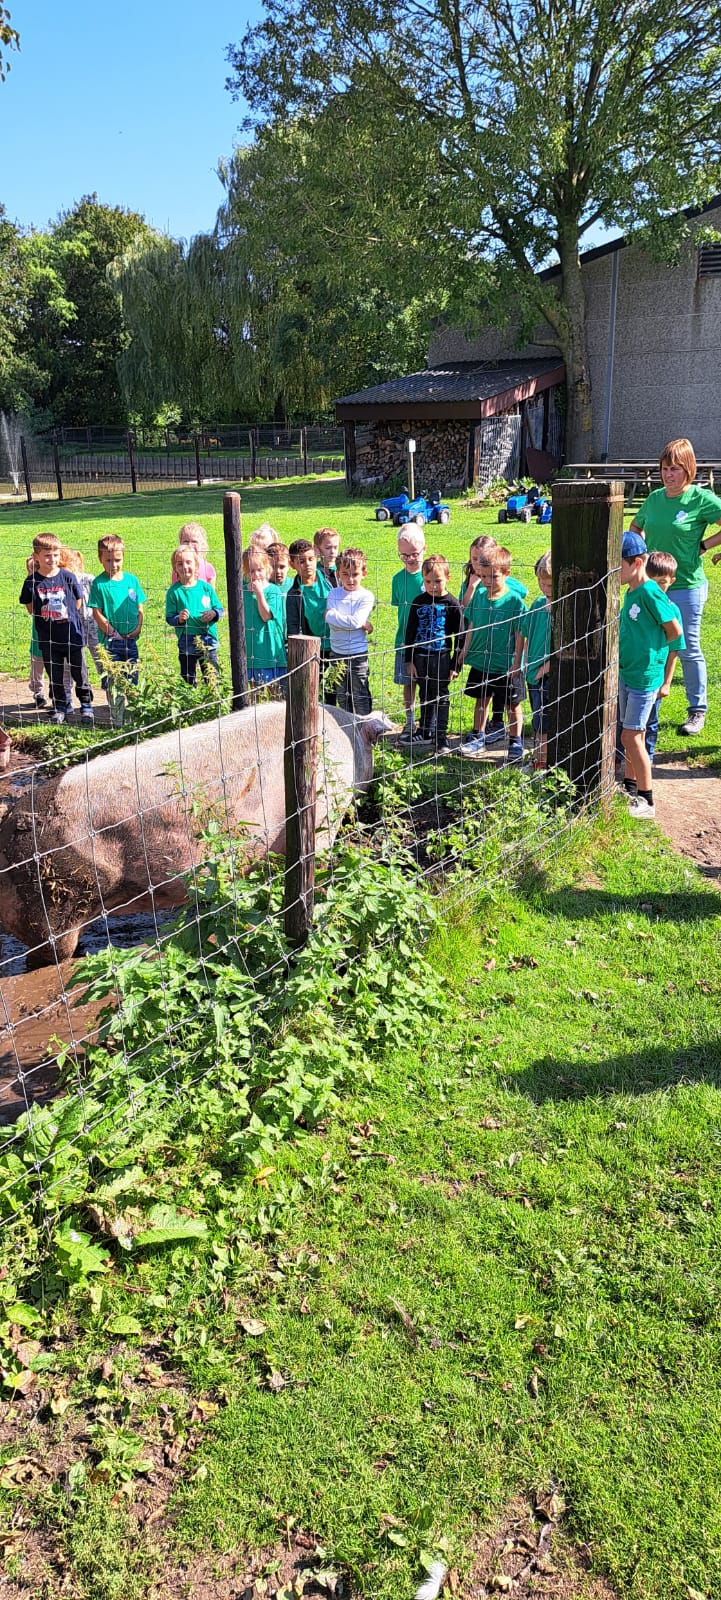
[{"x": 218, "y": 1043}]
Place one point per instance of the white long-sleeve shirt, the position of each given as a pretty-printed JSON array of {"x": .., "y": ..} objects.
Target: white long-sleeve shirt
[{"x": 346, "y": 611}]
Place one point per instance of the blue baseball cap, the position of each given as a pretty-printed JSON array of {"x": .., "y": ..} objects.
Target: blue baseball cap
[{"x": 633, "y": 545}]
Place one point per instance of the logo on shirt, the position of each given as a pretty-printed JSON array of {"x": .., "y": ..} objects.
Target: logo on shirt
[
  {"x": 681, "y": 516},
  {"x": 206, "y": 603},
  {"x": 634, "y": 611},
  {"x": 132, "y": 594},
  {"x": 55, "y": 607}
]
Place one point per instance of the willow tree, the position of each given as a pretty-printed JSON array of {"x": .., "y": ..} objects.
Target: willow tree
[{"x": 545, "y": 117}]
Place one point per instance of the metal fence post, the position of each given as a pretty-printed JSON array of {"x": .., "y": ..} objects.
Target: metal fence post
[
  {"x": 586, "y": 535},
  {"x": 198, "y": 478},
  {"x": 26, "y": 471},
  {"x": 300, "y": 769},
  {"x": 236, "y": 612},
  {"x": 131, "y": 458},
  {"x": 304, "y": 450},
  {"x": 56, "y": 464}
]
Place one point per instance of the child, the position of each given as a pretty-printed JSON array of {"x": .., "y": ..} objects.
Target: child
[
  {"x": 117, "y": 599},
  {"x": 478, "y": 553},
  {"x": 73, "y": 561},
  {"x": 535, "y": 633},
  {"x": 264, "y": 619},
  {"x": 264, "y": 535},
  {"x": 493, "y": 617},
  {"x": 662, "y": 568},
  {"x": 194, "y": 534},
  {"x": 305, "y": 604},
  {"x": 405, "y": 586},
  {"x": 36, "y": 679},
  {"x": 649, "y": 624},
  {"x": 435, "y": 625},
  {"x": 347, "y": 615},
  {"x": 192, "y": 607},
  {"x": 326, "y": 543},
  {"x": 282, "y": 577},
  {"x": 53, "y": 597}
]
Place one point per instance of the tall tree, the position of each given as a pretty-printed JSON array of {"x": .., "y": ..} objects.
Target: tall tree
[
  {"x": 545, "y": 118},
  {"x": 70, "y": 334},
  {"x": 9, "y": 39}
]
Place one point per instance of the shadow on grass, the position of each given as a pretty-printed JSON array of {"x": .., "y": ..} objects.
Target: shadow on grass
[
  {"x": 644, "y": 1071},
  {"x": 592, "y": 904}
]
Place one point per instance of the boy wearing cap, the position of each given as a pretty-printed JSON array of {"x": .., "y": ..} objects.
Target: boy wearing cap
[{"x": 649, "y": 624}]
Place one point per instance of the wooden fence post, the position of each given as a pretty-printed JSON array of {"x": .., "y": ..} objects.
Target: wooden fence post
[
  {"x": 131, "y": 458},
  {"x": 251, "y": 441},
  {"x": 198, "y": 478},
  {"x": 26, "y": 471},
  {"x": 301, "y": 765},
  {"x": 304, "y": 450},
  {"x": 586, "y": 535},
  {"x": 236, "y": 612},
  {"x": 56, "y": 464}
]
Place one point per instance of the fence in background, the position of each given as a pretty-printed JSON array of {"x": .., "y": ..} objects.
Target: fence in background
[
  {"x": 72, "y": 463},
  {"x": 174, "y": 816}
]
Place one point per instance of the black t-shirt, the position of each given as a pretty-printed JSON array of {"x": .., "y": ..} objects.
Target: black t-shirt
[
  {"x": 54, "y": 602},
  {"x": 435, "y": 623}
]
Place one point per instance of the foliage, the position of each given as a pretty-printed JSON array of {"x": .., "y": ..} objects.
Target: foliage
[
  {"x": 9, "y": 38},
  {"x": 527, "y": 125},
  {"x": 66, "y": 326},
  {"x": 261, "y": 1034},
  {"x": 160, "y": 696}
]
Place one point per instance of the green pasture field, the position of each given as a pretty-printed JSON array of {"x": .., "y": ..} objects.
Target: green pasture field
[{"x": 148, "y": 523}]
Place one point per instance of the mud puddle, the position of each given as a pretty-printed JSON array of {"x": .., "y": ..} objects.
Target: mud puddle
[{"x": 39, "y": 1011}]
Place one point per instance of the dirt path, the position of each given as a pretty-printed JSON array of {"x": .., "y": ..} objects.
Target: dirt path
[
  {"x": 688, "y": 809},
  {"x": 17, "y": 705}
]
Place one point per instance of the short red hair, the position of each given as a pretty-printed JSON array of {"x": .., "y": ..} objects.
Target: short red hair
[{"x": 680, "y": 453}]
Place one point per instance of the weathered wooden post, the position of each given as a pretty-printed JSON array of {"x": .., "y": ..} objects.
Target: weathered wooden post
[
  {"x": 586, "y": 535},
  {"x": 56, "y": 465},
  {"x": 301, "y": 764},
  {"x": 26, "y": 470},
  {"x": 236, "y": 612},
  {"x": 304, "y": 450},
  {"x": 251, "y": 441}
]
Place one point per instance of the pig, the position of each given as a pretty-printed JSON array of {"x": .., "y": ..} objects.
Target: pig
[{"x": 117, "y": 833}]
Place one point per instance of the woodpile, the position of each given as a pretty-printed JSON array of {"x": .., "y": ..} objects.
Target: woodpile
[{"x": 441, "y": 453}]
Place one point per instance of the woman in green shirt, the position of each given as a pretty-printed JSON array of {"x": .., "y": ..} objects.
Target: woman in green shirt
[{"x": 675, "y": 519}]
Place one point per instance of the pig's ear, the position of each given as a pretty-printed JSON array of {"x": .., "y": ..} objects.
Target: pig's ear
[{"x": 373, "y": 727}]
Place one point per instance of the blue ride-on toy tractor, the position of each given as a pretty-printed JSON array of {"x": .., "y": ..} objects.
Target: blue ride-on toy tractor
[
  {"x": 399, "y": 508},
  {"x": 522, "y": 505}
]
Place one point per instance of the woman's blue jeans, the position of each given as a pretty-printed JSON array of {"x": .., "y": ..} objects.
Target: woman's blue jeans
[{"x": 690, "y": 603}]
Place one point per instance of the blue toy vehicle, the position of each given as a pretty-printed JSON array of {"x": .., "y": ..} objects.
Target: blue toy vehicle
[
  {"x": 400, "y": 508},
  {"x": 524, "y": 504}
]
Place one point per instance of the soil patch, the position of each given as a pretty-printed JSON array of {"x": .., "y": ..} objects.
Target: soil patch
[
  {"x": 528, "y": 1554},
  {"x": 17, "y": 705},
  {"x": 688, "y": 809}
]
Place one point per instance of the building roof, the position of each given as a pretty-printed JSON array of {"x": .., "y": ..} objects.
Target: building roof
[
  {"x": 621, "y": 242},
  {"x": 471, "y": 389}
]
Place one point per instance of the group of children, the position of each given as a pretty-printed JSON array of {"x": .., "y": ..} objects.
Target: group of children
[{"x": 316, "y": 589}]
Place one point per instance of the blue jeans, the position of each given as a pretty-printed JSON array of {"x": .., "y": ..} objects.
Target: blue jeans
[
  {"x": 635, "y": 706},
  {"x": 690, "y": 603},
  {"x": 652, "y": 730}
]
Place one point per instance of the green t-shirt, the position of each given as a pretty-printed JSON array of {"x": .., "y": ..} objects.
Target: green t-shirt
[
  {"x": 286, "y": 584},
  {"x": 404, "y": 588},
  {"x": 642, "y": 644},
  {"x": 197, "y": 599},
  {"x": 677, "y": 525},
  {"x": 495, "y": 625},
  {"x": 314, "y": 600},
  {"x": 265, "y": 641},
  {"x": 536, "y": 630},
  {"x": 514, "y": 584},
  {"x": 118, "y": 599}
]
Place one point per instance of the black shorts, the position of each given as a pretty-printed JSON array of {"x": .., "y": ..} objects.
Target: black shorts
[{"x": 483, "y": 685}]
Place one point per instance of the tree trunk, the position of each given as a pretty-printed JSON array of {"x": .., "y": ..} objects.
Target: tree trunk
[{"x": 579, "y": 420}]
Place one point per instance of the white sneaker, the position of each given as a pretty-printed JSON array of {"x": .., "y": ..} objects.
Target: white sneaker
[
  {"x": 640, "y": 809},
  {"x": 694, "y": 723}
]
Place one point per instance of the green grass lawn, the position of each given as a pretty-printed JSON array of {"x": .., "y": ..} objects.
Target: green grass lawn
[
  {"x": 496, "y": 1266},
  {"x": 149, "y": 524}
]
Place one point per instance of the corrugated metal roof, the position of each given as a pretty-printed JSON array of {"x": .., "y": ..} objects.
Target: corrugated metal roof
[{"x": 462, "y": 381}]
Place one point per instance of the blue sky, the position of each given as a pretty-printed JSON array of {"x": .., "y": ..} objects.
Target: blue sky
[{"x": 127, "y": 100}]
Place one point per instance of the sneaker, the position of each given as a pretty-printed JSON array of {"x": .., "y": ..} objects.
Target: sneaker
[
  {"x": 444, "y": 750},
  {"x": 469, "y": 738},
  {"x": 87, "y": 713},
  {"x": 475, "y": 746},
  {"x": 40, "y": 702},
  {"x": 694, "y": 722},
  {"x": 640, "y": 809},
  {"x": 424, "y": 739},
  {"x": 496, "y": 735},
  {"x": 58, "y": 717},
  {"x": 514, "y": 753},
  {"x": 408, "y": 736}
]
